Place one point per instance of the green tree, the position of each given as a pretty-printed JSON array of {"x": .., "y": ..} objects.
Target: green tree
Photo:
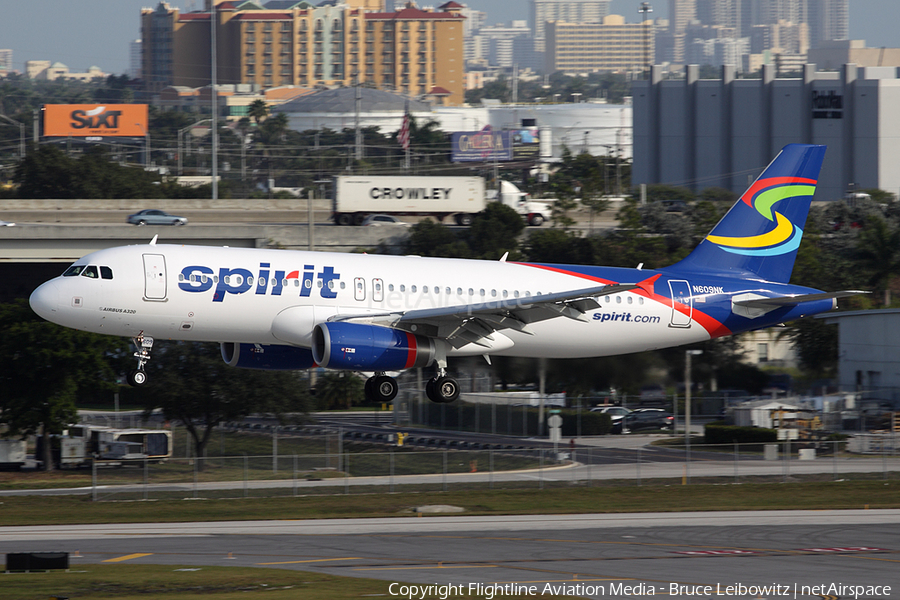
[
  {"x": 258, "y": 110},
  {"x": 192, "y": 384},
  {"x": 494, "y": 231},
  {"x": 44, "y": 370},
  {"x": 427, "y": 238},
  {"x": 339, "y": 389},
  {"x": 878, "y": 247}
]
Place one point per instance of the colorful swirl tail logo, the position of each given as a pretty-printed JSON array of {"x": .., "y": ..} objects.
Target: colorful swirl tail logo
[{"x": 786, "y": 236}]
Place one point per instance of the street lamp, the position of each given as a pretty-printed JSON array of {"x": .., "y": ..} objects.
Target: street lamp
[
  {"x": 645, "y": 9},
  {"x": 21, "y": 135},
  {"x": 687, "y": 408},
  {"x": 146, "y": 145},
  {"x": 181, "y": 141}
]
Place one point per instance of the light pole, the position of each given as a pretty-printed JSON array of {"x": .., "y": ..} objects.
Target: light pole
[
  {"x": 645, "y": 9},
  {"x": 687, "y": 408},
  {"x": 21, "y": 135},
  {"x": 146, "y": 145},
  {"x": 181, "y": 141}
]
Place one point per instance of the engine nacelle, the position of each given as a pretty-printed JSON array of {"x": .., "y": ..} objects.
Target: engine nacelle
[
  {"x": 268, "y": 357},
  {"x": 369, "y": 347}
]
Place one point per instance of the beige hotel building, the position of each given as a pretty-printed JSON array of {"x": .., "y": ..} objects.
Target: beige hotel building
[{"x": 283, "y": 42}]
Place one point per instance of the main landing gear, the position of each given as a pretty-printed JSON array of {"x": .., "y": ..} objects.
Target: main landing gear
[
  {"x": 143, "y": 343},
  {"x": 381, "y": 388},
  {"x": 441, "y": 388}
]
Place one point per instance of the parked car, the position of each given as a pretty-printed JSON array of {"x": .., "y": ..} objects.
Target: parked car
[
  {"x": 152, "y": 216},
  {"x": 616, "y": 413},
  {"x": 648, "y": 418},
  {"x": 384, "y": 220},
  {"x": 6, "y": 224}
]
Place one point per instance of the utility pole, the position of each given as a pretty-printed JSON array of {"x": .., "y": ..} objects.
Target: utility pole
[{"x": 215, "y": 101}]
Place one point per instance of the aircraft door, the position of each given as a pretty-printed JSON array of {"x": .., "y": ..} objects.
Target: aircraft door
[
  {"x": 377, "y": 290},
  {"x": 682, "y": 303},
  {"x": 154, "y": 277}
]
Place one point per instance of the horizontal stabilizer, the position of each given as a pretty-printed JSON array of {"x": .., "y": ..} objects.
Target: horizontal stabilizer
[{"x": 772, "y": 303}]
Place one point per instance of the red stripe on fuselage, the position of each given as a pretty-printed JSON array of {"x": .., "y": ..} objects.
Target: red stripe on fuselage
[
  {"x": 410, "y": 351},
  {"x": 645, "y": 288}
]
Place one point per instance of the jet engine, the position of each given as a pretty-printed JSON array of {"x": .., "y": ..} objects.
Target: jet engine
[
  {"x": 268, "y": 357},
  {"x": 361, "y": 347}
]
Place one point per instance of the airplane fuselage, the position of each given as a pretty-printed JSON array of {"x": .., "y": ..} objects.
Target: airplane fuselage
[{"x": 277, "y": 297}]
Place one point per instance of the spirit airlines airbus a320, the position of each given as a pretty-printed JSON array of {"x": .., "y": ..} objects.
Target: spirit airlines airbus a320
[{"x": 276, "y": 309}]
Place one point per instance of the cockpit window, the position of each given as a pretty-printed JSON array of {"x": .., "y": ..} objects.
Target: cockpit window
[
  {"x": 90, "y": 271},
  {"x": 106, "y": 273},
  {"x": 73, "y": 271}
]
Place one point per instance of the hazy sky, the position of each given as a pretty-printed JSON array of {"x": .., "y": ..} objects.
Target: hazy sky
[{"x": 98, "y": 32}]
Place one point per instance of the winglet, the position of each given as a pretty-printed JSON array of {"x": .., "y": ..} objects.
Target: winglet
[
  {"x": 153, "y": 241},
  {"x": 503, "y": 258}
]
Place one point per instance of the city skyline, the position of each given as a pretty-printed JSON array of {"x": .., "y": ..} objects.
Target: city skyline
[{"x": 63, "y": 31}]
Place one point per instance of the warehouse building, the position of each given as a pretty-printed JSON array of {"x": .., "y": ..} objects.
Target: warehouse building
[{"x": 722, "y": 132}]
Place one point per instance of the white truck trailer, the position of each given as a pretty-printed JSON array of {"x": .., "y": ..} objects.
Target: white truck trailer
[{"x": 356, "y": 197}]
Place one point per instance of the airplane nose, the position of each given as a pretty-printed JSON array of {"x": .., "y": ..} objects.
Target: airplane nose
[{"x": 45, "y": 300}]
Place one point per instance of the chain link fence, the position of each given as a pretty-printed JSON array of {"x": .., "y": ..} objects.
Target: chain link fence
[{"x": 396, "y": 469}]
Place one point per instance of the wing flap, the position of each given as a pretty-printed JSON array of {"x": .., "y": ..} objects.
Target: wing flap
[{"x": 474, "y": 323}]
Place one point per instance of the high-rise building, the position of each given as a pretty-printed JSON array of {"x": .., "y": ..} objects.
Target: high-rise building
[
  {"x": 612, "y": 45},
  {"x": 6, "y": 61},
  {"x": 828, "y": 20},
  {"x": 569, "y": 11},
  {"x": 287, "y": 42},
  {"x": 134, "y": 67}
]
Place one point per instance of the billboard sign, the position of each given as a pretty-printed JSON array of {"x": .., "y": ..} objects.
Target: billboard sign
[
  {"x": 95, "y": 120},
  {"x": 486, "y": 145},
  {"x": 526, "y": 143},
  {"x": 489, "y": 145}
]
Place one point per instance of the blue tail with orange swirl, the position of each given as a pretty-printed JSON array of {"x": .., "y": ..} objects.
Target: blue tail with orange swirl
[{"x": 762, "y": 231}]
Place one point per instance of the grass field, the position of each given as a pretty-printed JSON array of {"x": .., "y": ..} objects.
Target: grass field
[
  {"x": 133, "y": 582},
  {"x": 58, "y": 510}
]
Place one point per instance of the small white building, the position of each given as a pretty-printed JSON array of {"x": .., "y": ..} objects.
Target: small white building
[{"x": 766, "y": 413}]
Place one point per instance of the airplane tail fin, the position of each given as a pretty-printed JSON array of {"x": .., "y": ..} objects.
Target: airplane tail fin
[{"x": 762, "y": 231}]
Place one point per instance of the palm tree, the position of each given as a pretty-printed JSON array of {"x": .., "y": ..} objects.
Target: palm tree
[
  {"x": 879, "y": 248},
  {"x": 258, "y": 110}
]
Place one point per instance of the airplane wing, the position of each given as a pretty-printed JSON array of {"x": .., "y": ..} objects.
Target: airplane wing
[
  {"x": 474, "y": 323},
  {"x": 772, "y": 303}
]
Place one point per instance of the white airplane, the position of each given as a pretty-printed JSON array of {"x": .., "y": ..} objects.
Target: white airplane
[{"x": 277, "y": 309}]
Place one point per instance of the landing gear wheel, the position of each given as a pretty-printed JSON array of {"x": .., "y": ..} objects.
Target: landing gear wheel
[
  {"x": 442, "y": 389},
  {"x": 137, "y": 378},
  {"x": 381, "y": 388},
  {"x": 385, "y": 388}
]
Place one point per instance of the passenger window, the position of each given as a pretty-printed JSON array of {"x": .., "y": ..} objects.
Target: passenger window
[
  {"x": 618, "y": 299},
  {"x": 106, "y": 273},
  {"x": 413, "y": 289},
  {"x": 641, "y": 300},
  {"x": 90, "y": 271},
  {"x": 630, "y": 300}
]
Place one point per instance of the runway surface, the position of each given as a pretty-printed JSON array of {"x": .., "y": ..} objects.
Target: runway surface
[{"x": 769, "y": 554}]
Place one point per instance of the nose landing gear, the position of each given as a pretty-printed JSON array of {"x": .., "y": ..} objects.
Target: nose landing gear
[{"x": 143, "y": 343}]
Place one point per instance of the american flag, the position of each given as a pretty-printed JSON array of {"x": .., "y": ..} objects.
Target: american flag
[{"x": 403, "y": 136}]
